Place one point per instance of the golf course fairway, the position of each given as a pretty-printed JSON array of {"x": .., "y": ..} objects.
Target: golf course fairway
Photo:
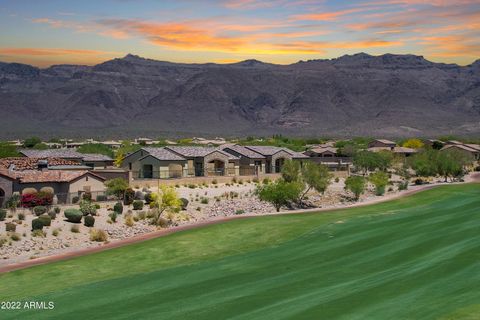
[{"x": 417, "y": 257}]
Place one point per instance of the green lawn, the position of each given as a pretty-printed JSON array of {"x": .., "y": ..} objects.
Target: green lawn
[{"x": 413, "y": 258}]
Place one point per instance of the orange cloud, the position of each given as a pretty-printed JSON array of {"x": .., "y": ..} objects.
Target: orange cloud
[
  {"x": 325, "y": 16},
  {"x": 50, "y": 52}
]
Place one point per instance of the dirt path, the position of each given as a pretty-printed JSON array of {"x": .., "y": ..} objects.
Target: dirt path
[{"x": 161, "y": 233}]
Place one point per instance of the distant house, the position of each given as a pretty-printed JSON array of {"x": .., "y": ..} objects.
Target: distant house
[
  {"x": 275, "y": 156},
  {"x": 97, "y": 161},
  {"x": 433, "y": 142},
  {"x": 381, "y": 143},
  {"x": 322, "y": 152},
  {"x": 251, "y": 162},
  {"x": 65, "y": 184},
  {"x": 112, "y": 144},
  {"x": 472, "y": 150},
  {"x": 396, "y": 150},
  {"x": 23, "y": 164}
]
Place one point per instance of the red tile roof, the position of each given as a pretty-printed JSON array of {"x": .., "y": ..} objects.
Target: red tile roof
[{"x": 24, "y": 163}]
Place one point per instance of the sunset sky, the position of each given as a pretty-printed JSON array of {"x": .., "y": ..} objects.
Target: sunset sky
[{"x": 279, "y": 31}]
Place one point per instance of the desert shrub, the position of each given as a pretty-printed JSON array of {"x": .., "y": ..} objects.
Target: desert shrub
[
  {"x": 204, "y": 201},
  {"x": 266, "y": 181},
  {"x": 477, "y": 168},
  {"x": 57, "y": 210},
  {"x": 356, "y": 184},
  {"x": 141, "y": 215},
  {"x": 137, "y": 205},
  {"x": 403, "y": 186},
  {"x": 101, "y": 197},
  {"x": 240, "y": 211},
  {"x": 10, "y": 227},
  {"x": 129, "y": 222},
  {"x": 88, "y": 208},
  {"x": 214, "y": 181},
  {"x": 75, "y": 199},
  {"x": 149, "y": 197},
  {"x": 117, "y": 187},
  {"x": 39, "y": 233},
  {"x": 128, "y": 197},
  {"x": 73, "y": 215},
  {"x": 118, "y": 208},
  {"x": 97, "y": 206},
  {"x": 36, "y": 199},
  {"x": 87, "y": 196},
  {"x": 37, "y": 224},
  {"x": 418, "y": 182},
  {"x": 46, "y": 220},
  {"x": 55, "y": 232},
  {"x": 89, "y": 221},
  {"x": 29, "y": 191},
  {"x": 98, "y": 235},
  {"x": 14, "y": 201},
  {"x": 337, "y": 179},
  {"x": 15, "y": 236},
  {"x": 113, "y": 216},
  {"x": 47, "y": 190},
  {"x": 3, "y": 240},
  {"x": 3, "y": 214},
  {"x": 75, "y": 229},
  {"x": 139, "y": 195},
  {"x": 240, "y": 181},
  {"x": 161, "y": 222},
  {"x": 21, "y": 216},
  {"x": 192, "y": 186},
  {"x": 184, "y": 203},
  {"x": 39, "y": 210},
  {"x": 255, "y": 180},
  {"x": 380, "y": 181}
]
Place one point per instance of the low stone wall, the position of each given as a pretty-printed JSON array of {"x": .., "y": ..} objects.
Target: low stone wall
[{"x": 140, "y": 183}]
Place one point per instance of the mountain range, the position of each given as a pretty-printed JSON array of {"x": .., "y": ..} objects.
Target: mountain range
[{"x": 388, "y": 95}]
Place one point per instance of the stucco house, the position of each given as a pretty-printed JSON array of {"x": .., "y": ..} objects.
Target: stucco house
[
  {"x": 207, "y": 161},
  {"x": 472, "y": 150},
  {"x": 275, "y": 156},
  {"x": 382, "y": 143},
  {"x": 250, "y": 162},
  {"x": 322, "y": 152},
  {"x": 66, "y": 184},
  {"x": 93, "y": 161},
  {"x": 155, "y": 163}
]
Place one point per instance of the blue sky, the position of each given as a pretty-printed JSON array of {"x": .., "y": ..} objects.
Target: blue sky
[{"x": 279, "y": 31}]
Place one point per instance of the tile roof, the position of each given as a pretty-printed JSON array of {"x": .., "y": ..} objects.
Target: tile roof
[
  {"x": 324, "y": 149},
  {"x": 163, "y": 154},
  {"x": 271, "y": 150},
  {"x": 195, "y": 151},
  {"x": 243, "y": 151},
  {"x": 461, "y": 146},
  {"x": 395, "y": 149},
  {"x": 385, "y": 141},
  {"x": 96, "y": 157},
  {"x": 22, "y": 164},
  {"x": 35, "y": 176},
  {"x": 52, "y": 153}
]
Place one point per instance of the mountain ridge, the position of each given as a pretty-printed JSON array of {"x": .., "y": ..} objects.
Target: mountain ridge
[{"x": 388, "y": 95}]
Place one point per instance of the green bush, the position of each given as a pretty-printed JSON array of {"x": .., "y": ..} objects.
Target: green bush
[
  {"x": 403, "y": 186},
  {"x": 37, "y": 224},
  {"x": 137, "y": 205},
  {"x": 88, "y": 208},
  {"x": 113, "y": 216},
  {"x": 56, "y": 210},
  {"x": 21, "y": 216},
  {"x": 10, "y": 227},
  {"x": 52, "y": 215},
  {"x": 39, "y": 210},
  {"x": 240, "y": 211},
  {"x": 89, "y": 221},
  {"x": 3, "y": 214},
  {"x": 73, "y": 215},
  {"x": 46, "y": 220},
  {"x": 75, "y": 199},
  {"x": 128, "y": 197},
  {"x": 184, "y": 203},
  {"x": 15, "y": 236},
  {"x": 418, "y": 182},
  {"x": 149, "y": 197},
  {"x": 87, "y": 196},
  {"x": 101, "y": 197},
  {"x": 118, "y": 208},
  {"x": 204, "y": 201}
]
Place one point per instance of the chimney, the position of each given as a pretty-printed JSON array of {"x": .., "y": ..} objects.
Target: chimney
[{"x": 42, "y": 165}]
